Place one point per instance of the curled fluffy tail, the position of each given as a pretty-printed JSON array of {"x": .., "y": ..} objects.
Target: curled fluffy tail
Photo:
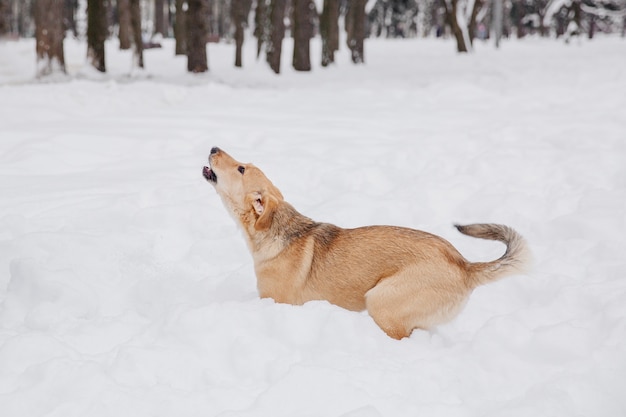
[{"x": 516, "y": 259}]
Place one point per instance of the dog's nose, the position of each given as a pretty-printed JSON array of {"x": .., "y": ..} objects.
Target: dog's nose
[{"x": 215, "y": 150}]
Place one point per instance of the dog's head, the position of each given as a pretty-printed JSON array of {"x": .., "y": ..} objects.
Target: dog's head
[{"x": 249, "y": 196}]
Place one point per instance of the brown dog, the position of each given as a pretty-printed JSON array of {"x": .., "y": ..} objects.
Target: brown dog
[{"x": 405, "y": 278}]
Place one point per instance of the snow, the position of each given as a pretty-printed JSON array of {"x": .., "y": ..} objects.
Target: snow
[{"x": 127, "y": 290}]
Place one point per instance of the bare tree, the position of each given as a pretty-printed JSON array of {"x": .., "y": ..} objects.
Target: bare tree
[
  {"x": 135, "y": 24},
  {"x": 498, "y": 20},
  {"x": 355, "y": 29},
  {"x": 260, "y": 25},
  {"x": 303, "y": 26},
  {"x": 49, "y": 35},
  {"x": 518, "y": 15},
  {"x": 471, "y": 23},
  {"x": 180, "y": 29},
  {"x": 135, "y": 29},
  {"x": 275, "y": 33},
  {"x": 123, "y": 13},
  {"x": 220, "y": 18},
  {"x": 462, "y": 41},
  {"x": 461, "y": 17},
  {"x": 5, "y": 17},
  {"x": 197, "y": 32},
  {"x": 69, "y": 16},
  {"x": 239, "y": 10},
  {"x": 160, "y": 21},
  {"x": 97, "y": 31},
  {"x": 129, "y": 14},
  {"x": 329, "y": 30}
]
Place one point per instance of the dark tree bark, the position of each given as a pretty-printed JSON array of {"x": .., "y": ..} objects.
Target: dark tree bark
[
  {"x": 135, "y": 24},
  {"x": 197, "y": 32},
  {"x": 49, "y": 33},
  {"x": 160, "y": 22},
  {"x": 465, "y": 40},
  {"x": 329, "y": 29},
  {"x": 276, "y": 33},
  {"x": 518, "y": 12},
  {"x": 260, "y": 25},
  {"x": 123, "y": 13},
  {"x": 355, "y": 29},
  {"x": 5, "y": 17},
  {"x": 302, "y": 29},
  {"x": 592, "y": 27},
  {"x": 180, "y": 29},
  {"x": 478, "y": 4},
  {"x": 96, "y": 33},
  {"x": 69, "y": 16},
  {"x": 239, "y": 11},
  {"x": 451, "y": 11},
  {"x": 577, "y": 15}
]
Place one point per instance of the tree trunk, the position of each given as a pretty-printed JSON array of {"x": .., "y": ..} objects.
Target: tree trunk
[
  {"x": 260, "y": 24},
  {"x": 239, "y": 10},
  {"x": 355, "y": 29},
  {"x": 451, "y": 13},
  {"x": 577, "y": 13},
  {"x": 302, "y": 29},
  {"x": 49, "y": 34},
  {"x": 498, "y": 20},
  {"x": 518, "y": 12},
  {"x": 123, "y": 14},
  {"x": 180, "y": 29},
  {"x": 471, "y": 26},
  {"x": 69, "y": 16},
  {"x": 197, "y": 32},
  {"x": 592, "y": 27},
  {"x": 329, "y": 29},
  {"x": 135, "y": 24},
  {"x": 276, "y": 33},
  {"x": 220, "y": 18},
  {"x": 5, "y": 13},
  {"x": 97, "y": 32},
  {"x": 160, "y": 23}
]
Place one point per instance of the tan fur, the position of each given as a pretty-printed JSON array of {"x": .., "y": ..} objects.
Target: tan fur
[{"x": 405, "y": 278}]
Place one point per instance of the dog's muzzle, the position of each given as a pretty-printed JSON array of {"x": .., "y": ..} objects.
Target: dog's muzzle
[{"x": 209, "y": 175}]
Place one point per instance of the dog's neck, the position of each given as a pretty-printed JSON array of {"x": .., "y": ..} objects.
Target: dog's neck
[{"x": 287, "y": 225}]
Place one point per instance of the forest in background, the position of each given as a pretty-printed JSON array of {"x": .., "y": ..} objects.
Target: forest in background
[{"x": 141, "y": 24}]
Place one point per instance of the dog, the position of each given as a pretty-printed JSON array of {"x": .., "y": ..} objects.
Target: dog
[{"x": 406, "y": 279}]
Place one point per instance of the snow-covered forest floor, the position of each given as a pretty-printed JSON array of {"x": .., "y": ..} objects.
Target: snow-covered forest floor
[{"x": 127, "y": 290}]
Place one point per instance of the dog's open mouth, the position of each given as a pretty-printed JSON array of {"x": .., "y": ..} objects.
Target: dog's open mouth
[{"x": 209, "y": 174}]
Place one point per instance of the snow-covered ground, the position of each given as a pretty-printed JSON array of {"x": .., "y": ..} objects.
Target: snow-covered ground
[{"x": 127, "y": 290}]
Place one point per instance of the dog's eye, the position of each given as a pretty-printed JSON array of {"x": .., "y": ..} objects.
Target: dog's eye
[{"x": 241, "y": 169}]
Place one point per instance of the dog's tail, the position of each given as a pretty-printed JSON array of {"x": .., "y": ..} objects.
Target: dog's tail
[{"x": 516, "y": 259}]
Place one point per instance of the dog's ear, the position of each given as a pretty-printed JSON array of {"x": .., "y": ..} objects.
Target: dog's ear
[{"x": 264, "y": 206}]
